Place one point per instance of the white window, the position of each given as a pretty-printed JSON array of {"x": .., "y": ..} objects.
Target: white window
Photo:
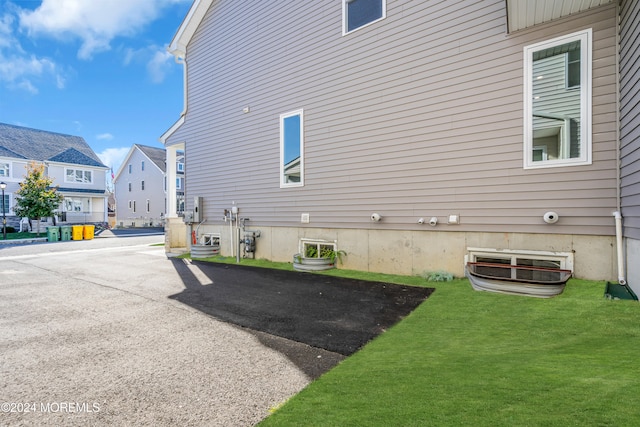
[
  {"x": 4, "y": 204},
  {"x": 129, "y": 187},
  {"x": 78, "y": 176},
  {"x": 142, "y": 166},
  {"x": 130, "y": 204},
  {"x": 4, "y": 170},
  {"x": 292, "y": 149},
  {"x": 77, "y": 204},
  {"x": 180, "y": 167},
  {"x": 148, "y": 206},
  {"x": 134, "y": 206},
  {"x": 178, "y": 184},
  {"x": 142, "y": 185},
  {"x": 557, "y": 101},
  {"x": 359, "y": 13},
  {"x": 130, "y": 168}
]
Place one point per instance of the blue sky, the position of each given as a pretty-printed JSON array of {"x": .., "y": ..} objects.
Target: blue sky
[{"x": 98, "y": 69}]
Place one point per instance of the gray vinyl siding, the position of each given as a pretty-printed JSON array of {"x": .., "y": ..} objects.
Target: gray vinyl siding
[
  {"x": 418, "y": 115},
  {"x": 630, "y": 117}
]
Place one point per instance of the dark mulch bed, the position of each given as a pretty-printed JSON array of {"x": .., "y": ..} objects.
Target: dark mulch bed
[{"x": 336, "y": 314}]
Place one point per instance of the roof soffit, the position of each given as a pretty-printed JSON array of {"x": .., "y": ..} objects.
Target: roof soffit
[{"x": 523, "y": 14}]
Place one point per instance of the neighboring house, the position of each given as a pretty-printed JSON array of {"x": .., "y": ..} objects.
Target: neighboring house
[
  {"x": 69, "y": 162},
  {"x": 486, "y": 116},
  {"x": 139, "y": 187}
]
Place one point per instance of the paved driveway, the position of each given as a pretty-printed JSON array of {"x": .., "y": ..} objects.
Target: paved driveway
[
  {"x": 89, "y": 337},
  {"x": 103, "y": 332}
]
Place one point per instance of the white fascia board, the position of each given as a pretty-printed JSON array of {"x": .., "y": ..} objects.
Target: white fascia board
[
  {"x": 125, "y": 161},
  {"x": 171, "y": 130},
  {"x": 178, "y": 45}
]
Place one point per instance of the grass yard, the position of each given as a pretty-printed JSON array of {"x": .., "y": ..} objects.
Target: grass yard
[
  {"x": 23, "y": 235},
  {"x": 467, "y": 358}
]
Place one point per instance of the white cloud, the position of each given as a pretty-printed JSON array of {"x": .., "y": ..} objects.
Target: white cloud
[
  {"x": 113, "y": 157},
  {"x": 158, "y": 66},
  {"x": 19, "y": 70},
  {"x": 159, "y": 62},
  {"x": 95, "y": 23},
  {"x": 105, "y": 136}
]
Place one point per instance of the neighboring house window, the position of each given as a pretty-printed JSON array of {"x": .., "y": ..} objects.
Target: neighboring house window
[
  {"x": 130, "y": 205},
  {"x": 134, "y": 206},
  {"x": 292, "y": 149},
  {"x": 180, "y": 167},
  {"x": 358, "y": 13},
  {"x": 129, "y": 187},
  {"x": 77, "y": 204},
  {"x": 130, "y": 169},
  {"x": 142, "y": 166},
  {"x": 4, "y": 170},
  {"x": 557, "y": 101},
  {"x": 148, "y": 206},
  {"x": 5, "y": 203},
  {"x": 78, "y": 175},
  {"x": 178, "y": 184},
  {"x": 142, "y": 185}
]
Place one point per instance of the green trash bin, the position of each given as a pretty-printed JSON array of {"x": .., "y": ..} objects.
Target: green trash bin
[
  {"x": 65, "y": 232},
  {"x": 53, "y": 234}
]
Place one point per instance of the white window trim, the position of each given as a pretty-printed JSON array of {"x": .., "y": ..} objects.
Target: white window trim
[
  {"x": 345, "y": 30},
  {"x": 66, "y": 174},
  {"x": 283, "y": 116},
  {"x": 564, "y": 258},
  {"x": 586, "y": 60},
  {"x": 8, "y": 170}
]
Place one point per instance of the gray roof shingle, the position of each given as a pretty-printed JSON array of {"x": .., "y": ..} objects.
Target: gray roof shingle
[
  {"x": 33, "y": 144},
  {"x": 157, "y": 155}
]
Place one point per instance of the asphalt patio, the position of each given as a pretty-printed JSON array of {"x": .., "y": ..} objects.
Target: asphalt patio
[{"x": 335, "y": 314}]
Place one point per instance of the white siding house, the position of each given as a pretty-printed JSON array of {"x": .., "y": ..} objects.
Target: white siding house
[
  {"x": 139, "y": 187},
  {"x": 69, "y": 161}
]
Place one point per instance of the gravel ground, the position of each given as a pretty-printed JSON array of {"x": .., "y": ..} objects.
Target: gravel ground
[{"x": 88, "y": 336}]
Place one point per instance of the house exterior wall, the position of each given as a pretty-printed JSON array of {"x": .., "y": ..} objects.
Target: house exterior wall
[
  {"x": 90, "y": 195},
  {"x": 153, "y": 191},
  {"x": 418, "y": 115},
  {"x": 630, "y": 134}
]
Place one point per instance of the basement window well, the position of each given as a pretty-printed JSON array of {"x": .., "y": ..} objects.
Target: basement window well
[{"x": 517, "y": 258}]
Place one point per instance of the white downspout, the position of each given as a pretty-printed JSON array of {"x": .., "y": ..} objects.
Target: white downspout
[
  {"x": 620, "y": 254},
  {"x": 617, "y": 215}
]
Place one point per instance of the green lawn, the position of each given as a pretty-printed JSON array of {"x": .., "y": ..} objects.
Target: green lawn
[
  {"x": 481, "y": 359},
  {"x": 23, "y": 235}
]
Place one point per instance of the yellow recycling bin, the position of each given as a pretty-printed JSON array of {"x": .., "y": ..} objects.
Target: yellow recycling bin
[
  {"x": 88, "y": 231},
  {"x": 76, "y": 232}
]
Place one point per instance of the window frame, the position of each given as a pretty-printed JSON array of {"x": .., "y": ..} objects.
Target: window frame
[
  {"x": 345, "y": 17},
  {"x": 586, "y": 74},
  {"x": 283, "y": 117},
  {"x": 7, "y": 206},
  {"x": 75, "y": 171},
  {"x": 5, "y": 166}
]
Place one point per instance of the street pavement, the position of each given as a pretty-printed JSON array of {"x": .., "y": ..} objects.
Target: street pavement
[{"x": 89, "y": 336}]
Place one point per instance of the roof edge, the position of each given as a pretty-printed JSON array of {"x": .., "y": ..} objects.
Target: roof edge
[{"x": 178, "y": 45}]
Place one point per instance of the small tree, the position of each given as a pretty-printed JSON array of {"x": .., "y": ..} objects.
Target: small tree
[{"x": 36, "y": 198}]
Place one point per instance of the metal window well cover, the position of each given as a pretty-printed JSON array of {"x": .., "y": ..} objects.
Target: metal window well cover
[{"x": 618, "y": 291}]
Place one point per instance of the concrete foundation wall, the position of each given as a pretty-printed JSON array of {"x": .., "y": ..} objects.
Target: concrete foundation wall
[
  {"x": 175, "y": 234},
  {"x": 417, "y": 252},
  {"x": 633, "y": 267}
]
